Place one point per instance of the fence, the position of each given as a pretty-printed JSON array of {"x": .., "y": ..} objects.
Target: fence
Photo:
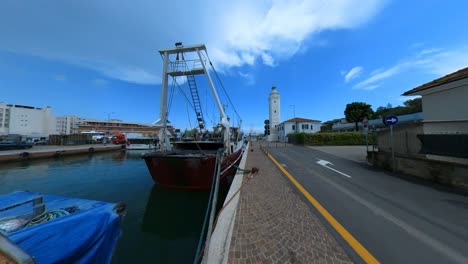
[{"x": 73, "y": 139}]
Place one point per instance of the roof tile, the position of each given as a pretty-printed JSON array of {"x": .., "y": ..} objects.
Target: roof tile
[{"x": 454, "y": 76}]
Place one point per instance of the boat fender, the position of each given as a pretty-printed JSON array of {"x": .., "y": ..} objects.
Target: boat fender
[
  {"x": 24, "y": 154},
  {"x": 123, "y": 147},
  {"x": 120, "y": 209},
  {"x": 91, "y": 149},
  {"x": 57, "y": 153}
]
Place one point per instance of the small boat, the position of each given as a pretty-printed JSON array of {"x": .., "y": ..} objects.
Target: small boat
[
  {"x": 37, "y": 228},
  {"x": 142, "y": 143},
  {"x": 192, "y": 164},
  {"x": 135, "y": 141}
]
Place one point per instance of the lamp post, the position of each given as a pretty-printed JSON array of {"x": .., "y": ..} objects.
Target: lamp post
[
  {"x": 108, "y": 121},
  {"x": 294, "y": 110}
]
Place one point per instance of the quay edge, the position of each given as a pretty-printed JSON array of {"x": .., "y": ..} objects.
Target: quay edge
[{"x": 38, "y": 152}]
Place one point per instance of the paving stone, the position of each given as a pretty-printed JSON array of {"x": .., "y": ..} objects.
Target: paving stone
[{"x": 273, "y": 223}]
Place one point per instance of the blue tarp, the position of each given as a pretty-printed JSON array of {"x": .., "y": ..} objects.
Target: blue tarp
[{"x": 88, "y": 235}]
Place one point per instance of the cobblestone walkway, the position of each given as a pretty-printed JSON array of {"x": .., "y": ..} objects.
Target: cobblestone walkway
[{"x": 274, "y": 225}]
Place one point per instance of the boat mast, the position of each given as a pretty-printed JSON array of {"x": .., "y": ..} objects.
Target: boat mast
[
  {"x": 180, "y": 49},
  {"x": 162, "y": 121}
]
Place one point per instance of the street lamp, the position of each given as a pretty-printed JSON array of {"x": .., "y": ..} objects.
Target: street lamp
[
  {"x": 108, "y": 121},
  {"x": 294, "y": 110}
]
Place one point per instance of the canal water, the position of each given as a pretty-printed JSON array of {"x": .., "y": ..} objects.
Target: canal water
[{"x": 161, "y": 226}]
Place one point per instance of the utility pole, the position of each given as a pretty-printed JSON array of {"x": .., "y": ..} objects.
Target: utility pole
[{"x": 294, "y": 110}]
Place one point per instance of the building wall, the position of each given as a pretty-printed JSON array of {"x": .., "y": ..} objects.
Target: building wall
[
  {"x": 274, "y": 113},
  {"x": 4, "y": 119},
  {"x": 286, "y": 128},
  {"x": 31, "y": 121},
  {"x": 445, "y": 108},
  {"x": 405, "y": 140}
]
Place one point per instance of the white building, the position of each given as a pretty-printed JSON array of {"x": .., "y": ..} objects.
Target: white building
[
  {"x": 274, "y": 113},
  {"x": 297, "y": 125},
  {"x": 445, "y": 113},
  {"x": 26, "y": 120},
  {"x": 67, "y": 125},
  {"x": 444, "y": 103}
]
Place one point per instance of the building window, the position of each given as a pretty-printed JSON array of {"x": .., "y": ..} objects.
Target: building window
[
  {"x": 293, "y": 127},
  {"x": 275, "y": 111}
]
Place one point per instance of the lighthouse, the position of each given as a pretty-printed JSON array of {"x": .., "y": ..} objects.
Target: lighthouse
[{"x": 274, "y": 113}]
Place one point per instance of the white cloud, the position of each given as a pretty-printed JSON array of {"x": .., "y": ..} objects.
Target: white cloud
[
  {"x": 353, "y": 73},
  {"x": 446, "y": 62},
  {"x": 250, "y": 79},
  {"x": 370, "y": 87},
  {"x": 371, "y": 82},
  {"x": 277, "y": 29},
  {"x": 268, "y": 59},
  {"x": 120, "y": 39},
  {"x": 436, "y": 61},
  {"x": 405, "y": 98}
]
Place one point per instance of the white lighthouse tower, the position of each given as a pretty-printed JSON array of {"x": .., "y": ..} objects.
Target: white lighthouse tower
[{"x": 274, "y": 111}]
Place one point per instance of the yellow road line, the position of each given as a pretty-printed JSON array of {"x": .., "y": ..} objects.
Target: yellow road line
[{"x": 360, "y": 250}]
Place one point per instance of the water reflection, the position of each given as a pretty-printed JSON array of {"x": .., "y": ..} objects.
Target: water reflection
[
  {"x": 162, "y": 225},
  {"x": 176, "y": 218}
]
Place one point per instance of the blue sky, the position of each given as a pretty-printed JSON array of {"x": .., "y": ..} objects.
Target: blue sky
[{"x": 99, "y": 59}]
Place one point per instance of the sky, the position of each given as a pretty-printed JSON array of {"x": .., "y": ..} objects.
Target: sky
[{"x": 99, "y": 59}]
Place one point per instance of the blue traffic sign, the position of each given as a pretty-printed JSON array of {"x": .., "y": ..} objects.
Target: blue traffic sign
[{"x": 391, "y": 120}]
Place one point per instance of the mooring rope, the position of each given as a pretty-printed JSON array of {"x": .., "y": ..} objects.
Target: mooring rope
[
  {"x": 252, "y": 173},
  {"x": 205, "y": 220},
  {"x": 47, "y": 216}
]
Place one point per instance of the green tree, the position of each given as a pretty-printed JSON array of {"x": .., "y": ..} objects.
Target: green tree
[
  {"x": 356, "y": 111},
  {"x": 414, "y": 104},
  {"x": 410, "y": 106}
]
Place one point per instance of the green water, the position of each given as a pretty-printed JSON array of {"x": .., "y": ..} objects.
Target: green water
[{"x": 161, "y": 226}]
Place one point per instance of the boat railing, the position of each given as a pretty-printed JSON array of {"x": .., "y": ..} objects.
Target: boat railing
[{"x": 12, "y": 253}]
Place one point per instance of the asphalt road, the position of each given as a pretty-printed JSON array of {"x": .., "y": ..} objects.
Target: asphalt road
[{"x": 396, "y": 220}]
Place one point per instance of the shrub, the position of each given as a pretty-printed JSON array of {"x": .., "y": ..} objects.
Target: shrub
[{"x": 331, "y": 138}]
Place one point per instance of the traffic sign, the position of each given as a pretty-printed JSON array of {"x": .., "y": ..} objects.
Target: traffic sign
[
  {"x": 365, "y": 122},
  {"x": 391, "y": 120}
]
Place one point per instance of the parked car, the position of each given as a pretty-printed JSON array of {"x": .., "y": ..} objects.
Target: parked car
[
  {"x": 40, "y": 142},
  {"x": 14, "y": 142}
]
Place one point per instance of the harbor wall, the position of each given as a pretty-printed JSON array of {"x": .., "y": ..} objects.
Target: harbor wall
[{"x": 53, "y": 151}]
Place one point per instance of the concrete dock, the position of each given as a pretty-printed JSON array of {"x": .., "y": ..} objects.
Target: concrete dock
[
  {"x": 49, "y": 151},
  {"x": 270, "y": 222}
]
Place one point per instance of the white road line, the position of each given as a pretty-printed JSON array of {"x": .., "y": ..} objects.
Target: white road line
[
  {"x": 324, "y": 163},
  {"x": 424, "y": 238}
]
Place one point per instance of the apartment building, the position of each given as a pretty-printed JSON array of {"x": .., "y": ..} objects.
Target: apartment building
[{"x": 26, "y": 120}]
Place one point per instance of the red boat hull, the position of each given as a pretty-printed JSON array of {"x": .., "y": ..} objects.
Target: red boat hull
[{"x": 188, "y": 171}]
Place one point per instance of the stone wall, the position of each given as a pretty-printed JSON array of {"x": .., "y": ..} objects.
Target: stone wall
[{"x": 446, "y": 173}]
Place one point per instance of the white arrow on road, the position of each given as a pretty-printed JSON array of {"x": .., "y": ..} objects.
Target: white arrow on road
[{"x": 325, "y": 163}]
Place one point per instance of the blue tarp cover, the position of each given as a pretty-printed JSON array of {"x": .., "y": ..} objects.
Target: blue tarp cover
[{"x": 86, "y": 236}]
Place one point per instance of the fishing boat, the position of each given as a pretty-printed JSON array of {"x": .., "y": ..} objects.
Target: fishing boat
[
  {"x": 38, "y": 228},
  {"x": 192, "y": 163}
]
